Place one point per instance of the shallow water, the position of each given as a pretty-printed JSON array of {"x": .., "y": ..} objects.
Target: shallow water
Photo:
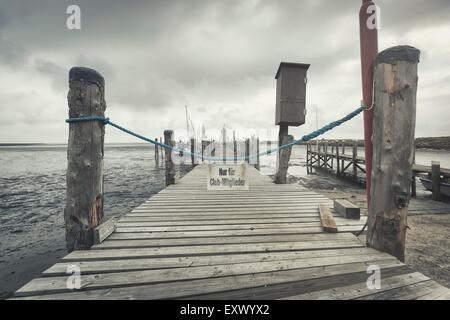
[{"x": 32, "y": 194}]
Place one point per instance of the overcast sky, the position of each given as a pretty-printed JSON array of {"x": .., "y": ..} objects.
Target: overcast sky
[{"x": 217, "y": 57}]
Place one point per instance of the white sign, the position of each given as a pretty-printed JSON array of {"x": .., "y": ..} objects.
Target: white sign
[{"x": 227, "y": 177}]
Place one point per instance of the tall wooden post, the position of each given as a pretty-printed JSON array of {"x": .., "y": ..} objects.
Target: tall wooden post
[
  {"x": 283, "y": 162},
  {"x": 235, "y": 150},
  {"x": 247, "y": 150},
  {"x": 224, "y": 150},
  {"x": 413, "y": 177},
  {"x": 338, "y": 169},
  {"x": 170, "y": 166},
  {"x": 84, "y": 178},
  {"x": 354, "y": 159},
  {"x": 257, "y": 165},
  {"x": 436, "y": 180},
  {"x": 395, "y": 86},
  {"x": 307, "y": 157},
  {"x": 343, "y": 158},
  {"x": 283, "y": 132},
  {"x": 193, "y": 152},
  {"x": 319, "y": 144},
  {"x": 156, "y": 153},
  {"x": 368, "y": 50},
  {"x": 162, "y": 149}
]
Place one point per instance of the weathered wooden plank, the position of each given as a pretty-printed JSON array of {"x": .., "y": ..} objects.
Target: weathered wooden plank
[
  {"x": 123, "y": 224},
  {"x": 222, "y": 233},
  {"x": 210, "y": 211},
  {"x": 104, "y": 230},
  {"x": 142, "y": 277},
  {"x": 232, "y": 209},
  {"x": 326, "y": 219},
  {"x": 220, "y": 240},
  {"x": 227, "y": 227},
  {"x": 347, "y": 209},
  {"x": 420, "y": 290},
  {"x": 209, "y": 249},
  {"x": 353, "y": 275},
  {"x": 262, "y": 216},
  {"x": 100, "y": 266},
  {"x": 225, "y": 204},
  {"x": 361, "y": 289}
]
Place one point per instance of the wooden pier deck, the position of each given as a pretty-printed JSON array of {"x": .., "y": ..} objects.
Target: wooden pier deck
[{"x": 265, "y": 243}]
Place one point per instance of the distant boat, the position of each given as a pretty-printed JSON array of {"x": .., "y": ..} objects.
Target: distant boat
[{"x": 445, "y": 187}]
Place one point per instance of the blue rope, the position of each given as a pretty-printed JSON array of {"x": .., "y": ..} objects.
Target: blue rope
[{"x": 302, "y": 140}]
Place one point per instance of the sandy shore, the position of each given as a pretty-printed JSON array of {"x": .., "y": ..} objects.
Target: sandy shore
[{"x": 428, "y": 239}]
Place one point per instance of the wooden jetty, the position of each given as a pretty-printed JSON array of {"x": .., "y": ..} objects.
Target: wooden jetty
[
  {"x": 334, "y": 155},
  {"x": 265, "y": 243}
]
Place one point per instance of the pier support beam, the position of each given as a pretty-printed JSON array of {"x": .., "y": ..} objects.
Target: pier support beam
[
  {"x": 247, "y": 150},
  {"x": 257, "y": 165},
  {"x": 84, "y": 193},
  {"x": 283, "y": 161},
  {"x": 413, "y": 178},
  {"x": 307, "y": 157},
  {"x": 193, "y": 152},
  {"x": 338, "y": 165},
  {"x": 156, "y": 153},
  {"x": 436, "y": 180},
  {"x": 355, "y": 161},
  {"x": 170, "y": 166},
  {"x": 395, "y": 86}
]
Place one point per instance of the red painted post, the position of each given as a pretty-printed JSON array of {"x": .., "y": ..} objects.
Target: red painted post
[{"x": 369, "y": 49}]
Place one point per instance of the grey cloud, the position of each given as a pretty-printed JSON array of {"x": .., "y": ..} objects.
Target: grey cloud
[{"x": 56, "y": 73}]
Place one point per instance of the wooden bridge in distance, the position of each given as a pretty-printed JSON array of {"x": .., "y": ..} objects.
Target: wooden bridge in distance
[{"x": 264, "y": 243}]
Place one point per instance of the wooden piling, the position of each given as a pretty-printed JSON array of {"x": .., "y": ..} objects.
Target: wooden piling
[
  {"x": 413, "y": 178},
  {"x": 170, "y": 166},
  {"x": 283, "y": 161},
  {"x": 283, "y": 131},
  {"x": 162, "y": 149},
  {"x": 338, "y": 169},
  {"x": 436, "y": 180},
  {"x": 332, "y": 152},
  {"x": 354, "y": 161},
  {"x": 234, "y": 149},
  {"x": 224, "y": 150},
  {"x": 84, "y": 178},
  {"x": 204, "y": 144},
  {"x": 307, "y": 157},
  {"x": 257, "y": 165},
  {"x": 156, "y": 152},
  {"x": 395, "y": 86},
  {"x": 247, "y": 150},
  {"x": 193, "y": 152},
  {"x": 319, "y": 156}
]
